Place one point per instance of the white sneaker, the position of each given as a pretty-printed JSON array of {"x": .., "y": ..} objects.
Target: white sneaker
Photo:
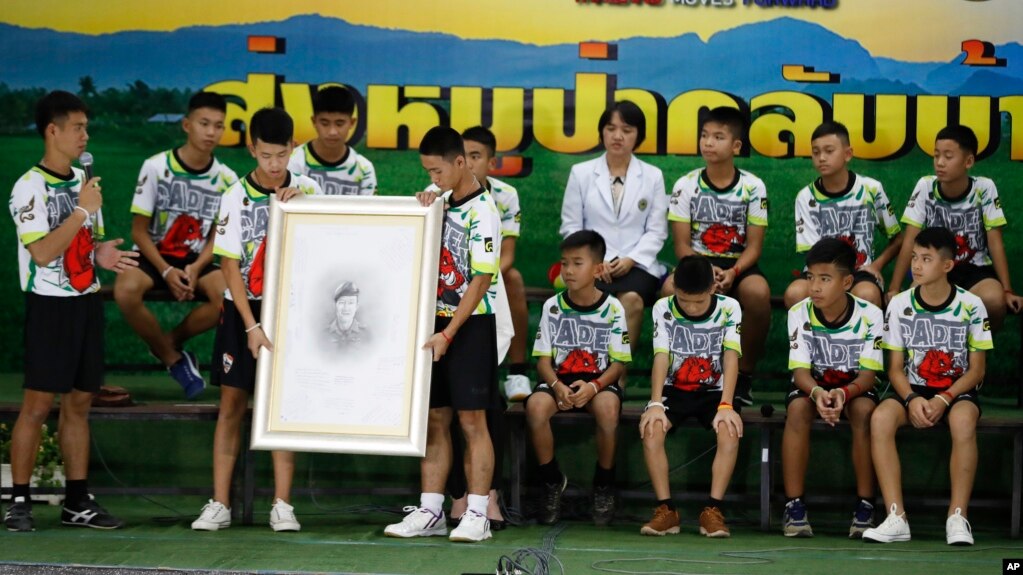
[
  {"x": 894, "y": 528},
  {"x": 472, "y": 527},
  {"x": 958, "y": 530},
  {"x": 420, "y": 522},
  {"x": 213, "y": 516},
  {"x": 517, "y": 387},
  {"x": 282, "y": 517}
]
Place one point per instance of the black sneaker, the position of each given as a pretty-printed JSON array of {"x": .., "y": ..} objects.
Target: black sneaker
[
  {"x": 89, "y": 514},
  {"x": 603, "y": 505},
  {"x": 19, "y": 516},
  {"x": 550, "y": 508},
  {"x": 744, "y": 389}
]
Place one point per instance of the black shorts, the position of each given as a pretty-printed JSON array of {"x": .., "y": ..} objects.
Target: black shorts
[
  {"x": 796, "y": 393},
  {"x": 568, "y": 379},
  {"x": 637, "y": 280},
  {"x": 967, "y": 275},
  {"x": 64, "y": 343},
  {"x": 729, "y": 263},
  {"x": 928, "y": 393},
  {"x": 465, "y": 378},
  {"x": 233, "y": 364},
  {"x": 147, "y": 267},
  {"x": 702, "y": 405}
]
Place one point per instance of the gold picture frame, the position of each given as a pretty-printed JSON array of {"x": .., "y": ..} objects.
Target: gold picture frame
[{"x": 349, "y": 300}]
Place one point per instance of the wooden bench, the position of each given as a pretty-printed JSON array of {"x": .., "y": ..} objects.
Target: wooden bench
[
  {"x": 767, "y": 428},
  {"x": 243, "y": 492}
]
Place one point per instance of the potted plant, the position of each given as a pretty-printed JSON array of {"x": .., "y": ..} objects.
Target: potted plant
[{"x": 49, "y": 471}]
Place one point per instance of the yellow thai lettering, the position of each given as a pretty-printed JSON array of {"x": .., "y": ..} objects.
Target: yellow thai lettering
[
  {"x": 244, "y": 98},
  {"x": 393, "y": 122},
  {"x": 683, "y": 130},
  {"x": 877, "y": 124},
  {"x": 502, "y": 110},
  {"x": 557, "y": 130},
  {"x": 785, "y": 123}
]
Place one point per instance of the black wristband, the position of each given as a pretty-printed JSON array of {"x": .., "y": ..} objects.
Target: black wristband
[{"x": 913, "y": 395}]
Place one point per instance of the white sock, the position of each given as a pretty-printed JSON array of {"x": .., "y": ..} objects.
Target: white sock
[
  {"x": 434, "y": 502},
  {"x": 478, "y": 503}
]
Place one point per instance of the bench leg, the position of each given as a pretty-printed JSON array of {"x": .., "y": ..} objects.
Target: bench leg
[
  {"x": 517, "y": 433},
  {"x": 765, "y": 478},
  {"x": 1017, "y": 480},
  {"x": 248, "y": 485}
]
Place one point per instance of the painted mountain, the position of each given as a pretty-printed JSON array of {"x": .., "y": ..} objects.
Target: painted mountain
[{"x": 746, "y": 60}]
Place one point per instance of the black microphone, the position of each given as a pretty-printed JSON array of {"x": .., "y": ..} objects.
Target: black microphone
[
  {"x": 86, "y": 161},
  {"x": 767, "y": 410}
]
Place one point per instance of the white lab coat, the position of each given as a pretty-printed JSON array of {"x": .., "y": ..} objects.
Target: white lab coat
[{"x": 639, "y": 231}]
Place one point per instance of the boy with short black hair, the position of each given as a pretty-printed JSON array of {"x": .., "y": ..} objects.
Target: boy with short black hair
[
  {"x": 720, "y": 212},
  {"x": 582, "y": 346},
  {"x": 938, "y": 334},
  {"x": 241, "y": 245},
  {"x": 174, "y": 209},
  {"x": 970, "y": 207},
  {"x": 337, "y": 167},
  {"x": 696, "y": 363},
  {"x": 56, "y": 212},
  {"x": 464, "y": 346},
  {"x": 845, "y": 205},
  {"x": 835, "y": 356}
]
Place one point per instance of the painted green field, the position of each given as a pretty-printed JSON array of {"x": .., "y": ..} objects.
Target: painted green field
[{"x": 118, "y": 160}]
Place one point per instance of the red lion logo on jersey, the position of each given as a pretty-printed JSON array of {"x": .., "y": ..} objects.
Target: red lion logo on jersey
[
  {"x": 580, "y": 361},
  {"x": 256, "y": 270},
  {"x": 938, "y": 369},
  {"x": 964, "y": 252},
  {"x": 184, "y": 235},
  {"x": 835, "y": 378},
  {"x": 719, "y": 238},
  {"x": 861, "y": 258},
  {"x": 78, "y": 261},
  {"x": 450, "y": 279},
  {"x": 695, "y": 372}
]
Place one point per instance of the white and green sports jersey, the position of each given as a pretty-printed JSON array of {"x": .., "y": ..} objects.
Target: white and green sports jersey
[
  {"x": 242, "y": 225},
  {"x": 182, "y": 204},
  {"x": 696, "y": 345},
  {"x": 968, "y": 217},
  {"x": 40, "y": 202},
  {"x": 471, "y": 226},
  {"x": 582, "y": 340},
  {"x": 719, "y": 217},
  {"x": 836, "y": 352},
  {"x": 507, "y": 200},
  {"x": 851, "y": 215},
  {"x": 937, "y": 340},
  {"x": 352, "y": 176}
]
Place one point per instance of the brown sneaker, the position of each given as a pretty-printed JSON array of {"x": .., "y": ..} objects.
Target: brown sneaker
[
  {"x": 665, "y": 521},
  {"x": 712, "y": 523}
]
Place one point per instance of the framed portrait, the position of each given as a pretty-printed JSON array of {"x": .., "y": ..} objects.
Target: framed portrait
[{"x": 350, "y": 291}]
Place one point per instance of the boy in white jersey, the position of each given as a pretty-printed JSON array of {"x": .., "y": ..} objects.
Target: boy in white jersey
[
  {"x": 57, "y": 216},
  {"x": 481, "y": 156},
  {"x": 696, "y": 363},
  {"x": 835, "y": 355},
  {"x": 241, "y": 244},
  {"x": 720, "y": 212},
  {"x": 337, "y": 167},
  {"x": 938, "y": 334},
  {"x": 582, "y": 346},
  {"x": 969, "y": 206},
  {"x": 464, "y": 346},
  {"x": 174, "y": 212},
  {"x": 845, "y": 205}
]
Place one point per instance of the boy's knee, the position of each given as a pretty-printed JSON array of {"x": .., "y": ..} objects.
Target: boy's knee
[
  {"x": 128, "y": 291},
  {"x": 631, "y": 301},
  {"x": 962, "y": 421},
  {"x": 473, "y": 422},
  {"x": 795, "y": 293},
  {"x": 654, "y": 438},
  {"x": 799, "y": 415},
  {"x": 869, "y": 292}
]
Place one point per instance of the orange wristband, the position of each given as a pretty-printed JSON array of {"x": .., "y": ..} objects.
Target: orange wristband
[
  {"x": 737, "y": 268},
  {"x": 445, "y": 336}
]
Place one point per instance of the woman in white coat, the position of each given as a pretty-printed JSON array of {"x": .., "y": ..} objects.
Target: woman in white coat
[{"x": 622, "y": 198}]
